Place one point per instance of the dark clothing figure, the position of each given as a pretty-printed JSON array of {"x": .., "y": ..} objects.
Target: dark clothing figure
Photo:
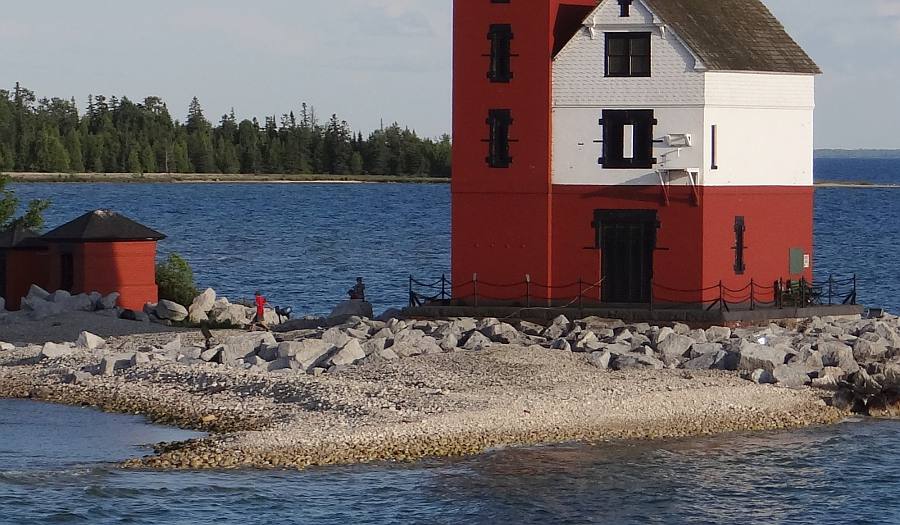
[{"x": 358, "y": 292}]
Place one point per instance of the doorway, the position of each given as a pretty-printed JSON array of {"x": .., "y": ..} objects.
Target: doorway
[
  {"x": 2, "y": 275},
  {"x": 66, "y": 272},
  {"x": 627, "y": 240}
]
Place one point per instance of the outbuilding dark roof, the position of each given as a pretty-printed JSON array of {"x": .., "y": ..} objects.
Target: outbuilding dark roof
[
  {"x": 17, "y": 238},
  {"x": 734, "y": 35},
  {"x": 103, "y": 225}
]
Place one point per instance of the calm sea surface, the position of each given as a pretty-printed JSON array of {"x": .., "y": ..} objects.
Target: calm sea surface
[
  {"x": 304, "y": 245},
  {"x": 843, "y": 474}
]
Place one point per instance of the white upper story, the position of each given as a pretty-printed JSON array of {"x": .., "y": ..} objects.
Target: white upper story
[{"x": 643, "y": 95}]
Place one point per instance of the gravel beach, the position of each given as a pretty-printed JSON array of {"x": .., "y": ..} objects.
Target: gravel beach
[{"x": 440, "y": 404}]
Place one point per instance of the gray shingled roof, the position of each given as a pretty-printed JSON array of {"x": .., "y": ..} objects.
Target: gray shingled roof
[
  {"x": 103, "y": 225},
  {"x": 15, "y": 237},
  {"x": 734, "y": 35}
]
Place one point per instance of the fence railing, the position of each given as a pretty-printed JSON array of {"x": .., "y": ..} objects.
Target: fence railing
[{"x": 528, "y": 293}]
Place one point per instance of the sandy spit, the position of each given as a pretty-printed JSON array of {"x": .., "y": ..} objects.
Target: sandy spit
[{"x": 453, "y": 404}]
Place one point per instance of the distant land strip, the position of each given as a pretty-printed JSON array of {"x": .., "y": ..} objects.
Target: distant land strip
[
  {"x": 275, "y": 178},
  {"x": 212, "y": 178}
]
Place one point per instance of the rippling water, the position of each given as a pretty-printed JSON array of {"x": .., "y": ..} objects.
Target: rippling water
[
  {"x": 303, "y": 245},
  {"x": 50, "y": 472}
]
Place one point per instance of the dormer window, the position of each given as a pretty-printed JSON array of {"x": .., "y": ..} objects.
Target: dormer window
[{"x": 628, "y": 54}]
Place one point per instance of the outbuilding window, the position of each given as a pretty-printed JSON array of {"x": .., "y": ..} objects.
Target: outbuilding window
[
  {"x": 628, "y": 139},
  {"x": 628, "y": 54}
]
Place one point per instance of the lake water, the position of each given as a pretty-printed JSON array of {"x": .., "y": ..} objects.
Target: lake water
[
  {"x": 53, "y": 470},
  {"x": 303, "y": 245}
]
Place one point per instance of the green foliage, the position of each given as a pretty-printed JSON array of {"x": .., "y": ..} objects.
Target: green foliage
[
  {"x": 175, "y": 280},
  {"x": 33, "y": 218},
  {"x": 116, "y": 135}
]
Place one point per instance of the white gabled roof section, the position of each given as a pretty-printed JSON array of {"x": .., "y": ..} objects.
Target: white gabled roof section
[{"x": 595, "y": 25}]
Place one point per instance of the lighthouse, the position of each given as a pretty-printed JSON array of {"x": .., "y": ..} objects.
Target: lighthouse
[{"x": 629, "y": 151}]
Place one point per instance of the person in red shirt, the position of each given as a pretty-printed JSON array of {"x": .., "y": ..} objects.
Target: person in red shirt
[{"x": 260, "y": 313}]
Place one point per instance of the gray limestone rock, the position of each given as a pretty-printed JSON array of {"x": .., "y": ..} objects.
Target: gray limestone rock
[
  {"x": 790, "y": 376},
  {"x": 835, "y": 353}
]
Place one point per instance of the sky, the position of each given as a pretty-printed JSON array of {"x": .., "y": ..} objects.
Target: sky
[{"x": 374, "y": 60}]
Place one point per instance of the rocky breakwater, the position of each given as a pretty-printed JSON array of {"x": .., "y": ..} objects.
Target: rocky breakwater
[
  {"x": 208, "y": 308},
  {"x": 40, "y": 304},
  {"x": 354, "y": 389}
]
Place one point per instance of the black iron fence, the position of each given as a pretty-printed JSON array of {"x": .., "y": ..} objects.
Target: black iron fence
[{"x": 528, "y": 293}]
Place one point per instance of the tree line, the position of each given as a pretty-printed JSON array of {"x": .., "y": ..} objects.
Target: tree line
[{"x": 116, "y": 135}]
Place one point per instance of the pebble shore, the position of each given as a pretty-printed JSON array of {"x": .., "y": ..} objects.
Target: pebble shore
[{"x": 443, "y": 404}]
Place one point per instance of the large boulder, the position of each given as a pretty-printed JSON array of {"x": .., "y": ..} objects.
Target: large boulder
[
  {"x": 171, "y": 311},
  {"x": 749, "y": 356},
  {"x": 350, "y": 308},
  {"x": 635, "y": 361},
  {"x": 836, "y": 353},
  {"x": 230, "y": 315},
  {"x": 110, "y": 301},
  {"x": 239, "y": 347},
  {"x": 865, "y": 350},
  {"x": 111, "y": 363},
  {"x": 57, "y": 350},
  {"x": 308, "y": 353},
  {"x": 90, "y": 341},
  {"x": 349, "y": 354},
  {"x": 675, "y": 347},
  {"x": 36, "y": 292},
  {"x": 706, "y": 361},
  {"x": 202, "y": 305},
  {"x": 790, "y": 376},
  {"x": 718, "y": 334}
]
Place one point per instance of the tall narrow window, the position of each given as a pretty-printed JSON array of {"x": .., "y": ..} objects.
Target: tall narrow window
[
  {"x": 628, "y": 138},
  {"x": 499, "y": 121},
  {"x": 628, "y": 54},
  {"x": 714, "y": 146},
  {"x": 625, "y": 6},
  {"x": 740, "y": 229},
  {"x": 501, "y": 37}
]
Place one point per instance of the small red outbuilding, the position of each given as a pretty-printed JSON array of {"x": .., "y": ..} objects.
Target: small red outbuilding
[{"x": 101, "y": 251}]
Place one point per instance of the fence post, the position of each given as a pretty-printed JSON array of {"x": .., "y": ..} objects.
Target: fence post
[
  {"x": 803, "y": 292},
  {"x": 411, "y": 301},
  {"x": 721, "y": 296},
  {"x": 853, "y": 302},
  {"x": 475, "y": 288},
  {"x": 752, "y": 294},
  {"x": 527, "y": 290},
  {"x": 777, "y": 286},
  {"x": 581, "y": 297},
  {"x": 444, "y": 287},
  {"x": 652, "y": 295}
]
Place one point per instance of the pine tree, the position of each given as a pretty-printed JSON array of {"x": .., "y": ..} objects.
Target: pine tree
[
  {"x": 134, "y": 162},
  {"x": 73, "y": 148}
]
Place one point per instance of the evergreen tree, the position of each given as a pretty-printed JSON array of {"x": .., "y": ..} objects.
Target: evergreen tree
[{"x": 134, "y": 162}]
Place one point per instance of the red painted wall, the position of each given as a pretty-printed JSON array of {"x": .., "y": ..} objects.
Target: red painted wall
[
  {"x": 777, "y": 219},
  {"x": 125, "y": 267},
  {"x": 575, "y": 256},
  {"x": 498, "y": 211},
  {"x": 24, "y": 268}
]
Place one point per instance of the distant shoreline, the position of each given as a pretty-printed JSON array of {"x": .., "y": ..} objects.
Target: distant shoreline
[
  {"x": 213, "y": 178},
  {"x": 217, "y": 178}
]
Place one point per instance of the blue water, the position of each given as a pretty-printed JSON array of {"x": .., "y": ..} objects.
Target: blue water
[
  {"x": 842, "y": 474},
  {"x": 877, "y": 171},
  {"x": 303, "y": 245}
]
